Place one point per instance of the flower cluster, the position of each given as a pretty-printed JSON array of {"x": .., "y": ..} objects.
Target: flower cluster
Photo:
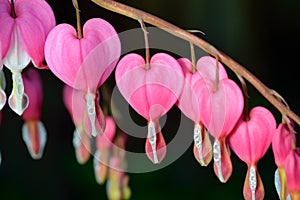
[{"x": 202, "y": 90}]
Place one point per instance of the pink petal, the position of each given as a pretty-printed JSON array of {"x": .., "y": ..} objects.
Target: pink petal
[
  {"x": 8, "y": 22},
  {"x": 158, "y": 154},
  {"x": 34, "y": 20},
  {"x": 33, "y": 88},
  {"x": 149, "y": 92},
  {"x": 219, "y": 110},
  {"x": 188, "y": 101},
  {"x": 100, "y": 46},
  {"x": 105, "y": 141},
  {"x": 292, "y": 169},
  {"x": 251, "y": 139},
  {"x": 282, "y": 144},
  {"x": 75, "y": 103},
  {"x": 207, "y": 66},
  {"x": 82, "y": 145}
]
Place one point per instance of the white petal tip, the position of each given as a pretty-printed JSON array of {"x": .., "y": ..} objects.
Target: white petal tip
[{"x": 30, "y": 141}]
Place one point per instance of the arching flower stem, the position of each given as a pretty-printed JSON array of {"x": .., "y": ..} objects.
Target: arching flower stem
[{"x": 174, "y": 30}]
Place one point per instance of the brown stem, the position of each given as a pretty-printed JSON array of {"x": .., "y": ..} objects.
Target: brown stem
[
  {"x": 12, "y": 9},
  {"x": 246, "y": 98},
  {"x": 193, "y": 58},
  {"x": 140, "y": 20},
  {"x": 216, "y": 83},
  {"x": 79, "y": 29},
  {"x": 174, "y": 30}
]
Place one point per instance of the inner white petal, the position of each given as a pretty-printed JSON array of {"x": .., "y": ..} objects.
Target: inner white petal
[{"x": 16, "y": 57}]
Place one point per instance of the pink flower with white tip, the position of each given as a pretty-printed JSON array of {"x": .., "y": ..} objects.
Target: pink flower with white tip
[
  {"x": 74, "y": 101},
  {"x": 220, "y": 103},
  {"x": 104, "y": 143},
  {"x": 151, "y": 89},
  {"x": 292, "y": 169},
  {"x": 250, "y": 140},
  {"x": 84, "y": 63},
  {"x": 33, "y": 131},
  {"x": 27, "y": 24},
  {"x": 282, "y": 145}
]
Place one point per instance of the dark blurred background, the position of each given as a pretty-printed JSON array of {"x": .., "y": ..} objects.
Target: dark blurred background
[{"x": 261, "y": 35}]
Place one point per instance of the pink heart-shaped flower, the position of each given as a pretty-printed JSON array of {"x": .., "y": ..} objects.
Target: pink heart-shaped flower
[
  {"x": 151, "y": 90},
  {"x": 83, "y": 63},
  {"x": 24, "y": 35},
  {"x": 250, "y": 140}
]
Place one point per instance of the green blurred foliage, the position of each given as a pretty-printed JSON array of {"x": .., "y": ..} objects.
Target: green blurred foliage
[{"x": 262, "y": 35}]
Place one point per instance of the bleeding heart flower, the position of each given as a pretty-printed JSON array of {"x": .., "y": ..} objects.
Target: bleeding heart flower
[
  {"x": 250, "y": 140},
  {"x": 84, "y": 63},
  {"x": 292, "y": 169},
  {"x": 189, "y": 105},
  {"x": 282, "y": 146},
  {"x": 102, "y": 154},
  {"x": 151, "y": 90},
  {"x": 33, "y": 131},
  {"x": 220, "y": 103},
  {"x": 75, "y": 103},
  {"x": 27, "y": 24},
  {"x": 117, "y": 182}
]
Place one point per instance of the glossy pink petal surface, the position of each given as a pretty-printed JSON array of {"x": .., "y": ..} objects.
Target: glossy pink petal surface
[
  {"x": 282, "y": 144},
  {"x": 207, "y": 68},
  {"x": 188, "y": 101},
  {"x": 150, "y": 92},
  {"x": 34, "y": 19},
  {"x": 87, "y": 62},
  {"x": 251, "y": 139},
  {"x": 74, "y": 99},
  {"x": 219, "y": 110},
  {"x": 33, "y": 88},
  {"x": 105, "y": 141},
  {"x": 292, "y": 169}
]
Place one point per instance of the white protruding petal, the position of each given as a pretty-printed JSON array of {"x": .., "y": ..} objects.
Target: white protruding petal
[
  {"x": 42, "y": 136},
  {"x": 16, "y": 57},
  {"x": 217, "y": 160},
  {"x": 152, "y": 139},
  {"x": 18, "y": 101},
  {"x": 278, "y": 184},
  {"x": 198, "y": 142},
  {"x": 2, "y": 87},
  {"x": 252, "y": 181},
  {"x": 91, "y": 111}
]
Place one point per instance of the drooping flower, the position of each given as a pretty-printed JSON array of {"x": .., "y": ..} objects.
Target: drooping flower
[
  {"x": 117, "y": 183},
  {"x": 74, "y": 101},
  {"x": 292, "y": 169},
  {"x": 220, "y": 106},
  {"x": 27, "y": 24},
  {"x": 250, "y": 140},
  {"x": 151, "y": 89},
  {"x": 188, "y": 103},
  {"x": 33, "y": 131},
  {"x": 84, "y": 63},
  {"x": 102, "y": 155},
  {"x": 282, "y": 146}
]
